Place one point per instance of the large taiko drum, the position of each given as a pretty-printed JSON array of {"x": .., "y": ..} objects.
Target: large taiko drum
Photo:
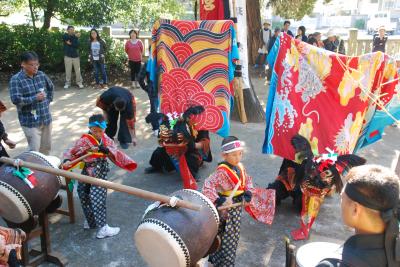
[
  {"x": 309, "y": 255},
  {"x": 19, "y": 202},
  {"x": 177, "y": 237}
]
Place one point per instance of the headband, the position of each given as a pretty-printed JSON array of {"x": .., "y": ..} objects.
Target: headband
[
  {"x": 232, "y": 146},
  {"x": 102, "y": 125}
]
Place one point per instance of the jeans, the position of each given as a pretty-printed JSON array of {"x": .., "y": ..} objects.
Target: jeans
[{"x": 99, "y": 68}]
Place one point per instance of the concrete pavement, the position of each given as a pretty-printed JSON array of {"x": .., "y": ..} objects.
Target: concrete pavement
[{"x": 260, "y": 245}]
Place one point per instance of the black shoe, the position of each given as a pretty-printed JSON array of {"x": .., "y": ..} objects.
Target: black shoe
[
  {"x": 124, "y": 145},
  {"x": 150, "y": 169}
]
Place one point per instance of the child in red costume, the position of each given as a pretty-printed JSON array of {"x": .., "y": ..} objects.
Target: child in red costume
[{"x": 93, "y": 198}]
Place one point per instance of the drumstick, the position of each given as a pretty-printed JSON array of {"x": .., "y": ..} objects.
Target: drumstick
[
  {"x": 72, "y": 163},
  {"x": 102, "y": 183}
]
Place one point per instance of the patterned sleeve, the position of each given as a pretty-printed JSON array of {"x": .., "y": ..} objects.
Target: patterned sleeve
[
  {"x": 118, "y": 157},
  {"x": 16, "y": 96},
  {"x": 80, "y": 147},
  {"x": 211, "y": 186},
  {"x": 248, "y": 182}
]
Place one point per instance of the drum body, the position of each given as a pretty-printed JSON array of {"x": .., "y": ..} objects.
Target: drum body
[
  {"x": 18, "y": 201},
  {"x": 309, "y": 255},
  {"x": 177, "y": 237}
]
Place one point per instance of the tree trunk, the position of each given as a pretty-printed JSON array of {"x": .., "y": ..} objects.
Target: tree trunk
[
  {"x": 253, "y": 109},
  {"x": 253, "y": 29},
  {"x": 48, "y": 14},
  {"x": 32, "y": 14}
]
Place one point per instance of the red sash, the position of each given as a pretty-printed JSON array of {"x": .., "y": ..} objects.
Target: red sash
[
  {"x": 96, "y": 143},
  {"x": 233, "y": 175}
]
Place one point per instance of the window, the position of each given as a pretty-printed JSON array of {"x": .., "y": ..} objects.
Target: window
[{"x": 374, "y": 1}]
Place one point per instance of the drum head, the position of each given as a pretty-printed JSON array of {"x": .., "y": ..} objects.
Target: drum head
[
  {"x": 14, "y": 207},
  {"x": 160, "y": 246},
  {"x": 311, "y": 254}
]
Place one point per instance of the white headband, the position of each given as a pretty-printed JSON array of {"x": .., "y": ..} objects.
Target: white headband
[{"x": 232, "y": 146}]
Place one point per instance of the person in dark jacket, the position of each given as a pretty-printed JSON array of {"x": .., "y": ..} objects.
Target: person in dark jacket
[
  {"x": 369, "y": 203},
  {"x": 147, "y": 85},
  {"x": 379, "y": 40},
  {"x": 264, "y": 37},
  {"x": 334, "y": 44},
  {"x": 119, "y": 102},
  {"x": 301, "y": 34},
  {"x": 270, "y": 45},
  {"x": 285, "y": 28},
  {"x": 97, "y": 51},
  {"x": 4, "y": 136},
  {"x": 71, "y": 57}
]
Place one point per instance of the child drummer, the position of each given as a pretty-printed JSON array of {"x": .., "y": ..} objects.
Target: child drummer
[
  {"x": 220, "y": 186},
  {"x": 100, "y": 147}
]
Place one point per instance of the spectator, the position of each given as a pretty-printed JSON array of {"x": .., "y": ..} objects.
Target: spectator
[
  {"x": 369, "y": 204},
  {"x": 379, "y": 40},
  {"x": 318, "y": 36},
  {"x": 134, "y": 49},
  {"x": 4, "y": 136},
  {"x": 97, "y": 50},
  {"x": 147, "y": 85},
  {"x": 333, "y": 43},
  {"x": 301, "y": 34},
  {"x": 32, "y": 91},
  {"x": 119, "y": 102},
  {"x": 265, "y": 35},
  {"x": 271, "y": 43},
  {"x": 71, "y": 57},
  {"x": 286, "y": 26},
  {"x": 312, "y": 41}
]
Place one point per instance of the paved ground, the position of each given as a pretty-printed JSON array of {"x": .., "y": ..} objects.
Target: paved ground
[{"x": 260, "y": 245}]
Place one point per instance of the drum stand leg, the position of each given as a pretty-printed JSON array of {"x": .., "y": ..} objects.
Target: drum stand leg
[
  {"x": 36, "y": 257},
  {"x": 70, "y": 211},
  {"x": 290, "y": 254}
]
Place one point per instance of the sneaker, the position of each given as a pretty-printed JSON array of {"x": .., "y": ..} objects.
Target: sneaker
[
  {"x": 155, "y": 133},
  {"x": 86, "y": 225},
  {"x": 107, "y": 231},
  {"x": 80, "y": 86},
  {"x": 133, "y": 83},
  {"x": 124, "y": 145},
  {"x": 66, "y": 86}
]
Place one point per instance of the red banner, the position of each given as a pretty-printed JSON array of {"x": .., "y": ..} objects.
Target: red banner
[{"x": 211, "y": 9}]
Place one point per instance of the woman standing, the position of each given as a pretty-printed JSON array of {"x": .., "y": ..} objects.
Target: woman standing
[
  {"x": 134, "y": 49},
  {"x": 97, "y": 50},
  {"x": 301, "y": 34}
]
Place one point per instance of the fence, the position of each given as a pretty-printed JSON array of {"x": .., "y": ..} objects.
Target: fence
[{"x": 357, "y": 46}]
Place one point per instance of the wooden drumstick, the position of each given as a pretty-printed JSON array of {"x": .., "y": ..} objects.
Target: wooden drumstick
[
  {"x": 102, "y": 183},
  {"x": 72, "y": 163}
]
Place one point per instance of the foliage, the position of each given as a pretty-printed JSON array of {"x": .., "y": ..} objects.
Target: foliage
[
  {"x": 9, "y": 6},
  {"x": 94, "y": 13},
  {"x": 49, "y": 46}
]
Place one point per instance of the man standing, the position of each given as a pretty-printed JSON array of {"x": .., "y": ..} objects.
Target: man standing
[
  {"x": 71, "y": 57},
  {"x": 119, "y": 102},
  {"x": 264, "y": 36},
  {"x": 286, "y": 26},
  {"x": 32, "y": 91},
  {"x": 333, "y": 43},
  {"x": 379, "y": 40}
]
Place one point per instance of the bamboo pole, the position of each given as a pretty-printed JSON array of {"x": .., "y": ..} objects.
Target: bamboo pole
[{"x": 102, "y": 183}]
